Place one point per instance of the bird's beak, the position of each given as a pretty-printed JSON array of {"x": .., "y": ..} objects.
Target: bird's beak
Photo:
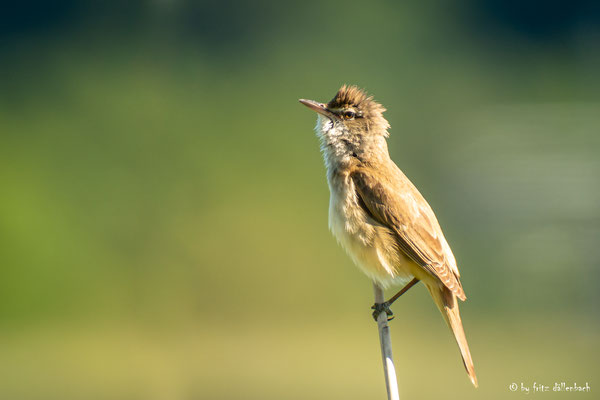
[{"x": 316, "y": 106}]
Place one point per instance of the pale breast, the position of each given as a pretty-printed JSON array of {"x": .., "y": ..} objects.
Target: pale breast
[{"x": 371, "y": 245}]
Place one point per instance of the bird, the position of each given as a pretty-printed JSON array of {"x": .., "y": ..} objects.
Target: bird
[{"x": 376, "y": 213}]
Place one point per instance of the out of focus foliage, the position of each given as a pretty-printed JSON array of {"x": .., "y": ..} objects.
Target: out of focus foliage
[{"x": 163, "y": 215}]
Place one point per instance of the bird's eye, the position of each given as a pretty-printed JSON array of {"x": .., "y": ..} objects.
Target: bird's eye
[{"x": 349, "y": 114}]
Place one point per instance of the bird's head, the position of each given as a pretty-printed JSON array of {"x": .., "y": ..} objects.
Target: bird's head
[{"x": 351, "y": 112}]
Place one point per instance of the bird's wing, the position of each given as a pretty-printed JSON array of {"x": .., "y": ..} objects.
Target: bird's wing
[{"x": 393, "y": 201}]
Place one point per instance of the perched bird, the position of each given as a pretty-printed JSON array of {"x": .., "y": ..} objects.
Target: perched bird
[{"x": 378, "y": 215}]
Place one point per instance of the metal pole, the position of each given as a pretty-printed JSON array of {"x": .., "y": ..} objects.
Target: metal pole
[{"x": 385, "y": 340}]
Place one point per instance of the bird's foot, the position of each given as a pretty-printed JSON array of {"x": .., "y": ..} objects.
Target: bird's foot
[{"x": 382, "y": 307}]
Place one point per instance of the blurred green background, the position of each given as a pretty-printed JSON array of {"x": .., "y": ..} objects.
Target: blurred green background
[{"x": 163, "y": 214}]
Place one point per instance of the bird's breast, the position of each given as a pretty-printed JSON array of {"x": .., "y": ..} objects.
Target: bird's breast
[{"x": 371, "y": 246}]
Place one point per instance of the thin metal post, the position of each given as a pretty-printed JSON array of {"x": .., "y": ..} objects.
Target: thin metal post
[{"x": 385, "y": 340}]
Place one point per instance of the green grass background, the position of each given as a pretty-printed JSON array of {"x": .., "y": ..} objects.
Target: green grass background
[{"x": 163, "y": 214}]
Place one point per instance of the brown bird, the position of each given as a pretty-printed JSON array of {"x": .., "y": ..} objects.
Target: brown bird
[{"x": 378, "y": 215}]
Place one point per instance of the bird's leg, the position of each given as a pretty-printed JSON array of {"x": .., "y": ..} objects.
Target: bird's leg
[
  {"x": 385, "y": 306},
  {"x": 382, "y": 307},
  {"x": 402, "y": 291}
]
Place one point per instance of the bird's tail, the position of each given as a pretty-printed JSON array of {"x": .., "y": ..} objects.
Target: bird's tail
[{"x": 448, "y": 306}]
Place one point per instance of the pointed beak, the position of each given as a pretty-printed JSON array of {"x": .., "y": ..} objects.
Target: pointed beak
[{"x": 316, "y": 106}]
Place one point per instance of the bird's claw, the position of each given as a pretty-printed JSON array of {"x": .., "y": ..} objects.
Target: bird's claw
[{"x": 382, "y": 307}]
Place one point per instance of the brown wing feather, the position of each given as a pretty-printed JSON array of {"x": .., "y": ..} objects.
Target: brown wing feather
[{"x": 393, "y": 201}]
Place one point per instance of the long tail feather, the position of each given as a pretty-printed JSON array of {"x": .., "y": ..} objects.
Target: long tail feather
[{"x": 448, "y": 306}]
